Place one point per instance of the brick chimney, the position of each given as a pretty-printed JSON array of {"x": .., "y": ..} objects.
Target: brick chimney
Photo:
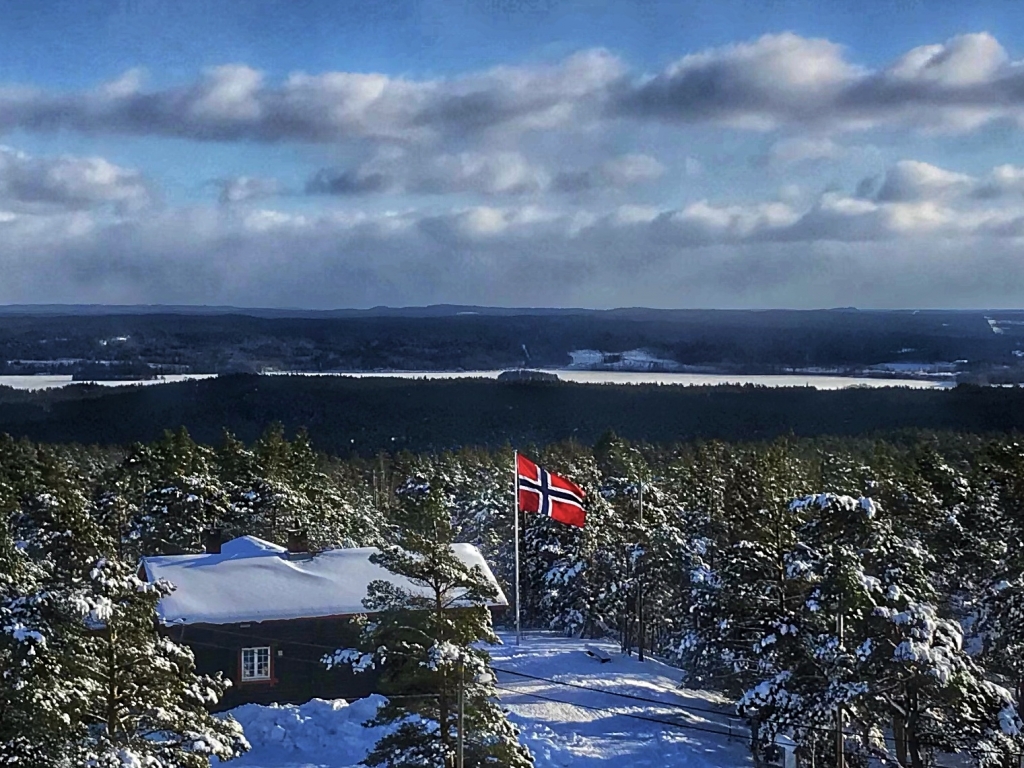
[
  {"x": 212, "y": 539},
  {"x": 298, "y": 543}
]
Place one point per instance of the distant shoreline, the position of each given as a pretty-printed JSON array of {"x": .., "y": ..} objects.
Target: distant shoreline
[{"x": 574, "y": 375}]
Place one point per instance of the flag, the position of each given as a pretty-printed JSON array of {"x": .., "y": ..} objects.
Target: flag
[{"x": 548, "y": 494}]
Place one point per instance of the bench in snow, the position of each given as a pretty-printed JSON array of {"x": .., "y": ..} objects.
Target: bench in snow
[{"x": 597, "y": 653}]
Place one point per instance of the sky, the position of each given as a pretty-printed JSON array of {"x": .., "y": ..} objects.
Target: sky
[{"x": 586, "y": 153}]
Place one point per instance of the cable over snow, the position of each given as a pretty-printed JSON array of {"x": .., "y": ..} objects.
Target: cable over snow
[{"x": 580, "y": 714}]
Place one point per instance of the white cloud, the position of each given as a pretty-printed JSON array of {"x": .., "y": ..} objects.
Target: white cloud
[
  {"x": 910, "y": 180},
  {"x": 631, "y": 169},
  {"x": 68, "y": 182},
  {"x": 790, "y": 81},
  {"x": 237, "y": 103},
  {"x": 238, "y": 189},
  {"x": 748, "y": 85},
  {"x": 966, "y": 60},
  {"x": 1003, "y": 180},
  {"x": 801, "y": 149}
]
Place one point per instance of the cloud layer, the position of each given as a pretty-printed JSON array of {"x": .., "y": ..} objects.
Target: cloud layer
[
  {"x": 891, "y": 249},
  {"x": 578, "y": 182},
  {"x": 776, "y": 80}
]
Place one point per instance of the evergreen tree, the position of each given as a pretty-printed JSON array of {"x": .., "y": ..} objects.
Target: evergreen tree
[
  {"x": 39, "y": 704},
  {"x": 183, "y": 496},
  {"x": 145, "y": 702},
  {"x": 897, "y": 662},
  {"x": 427, "y": 644},
  {"x": 89, "y": 675}
]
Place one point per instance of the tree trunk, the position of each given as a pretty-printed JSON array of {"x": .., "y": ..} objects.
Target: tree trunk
[
  {"x": 755, "y": 743},
  {"x": 914, "y": 748},
  {"x": 913, "y": 742},
  {"x": 112, "y": 719},
  {"x": 442, "y": 700},
  {"x": 899, "y": 734}
]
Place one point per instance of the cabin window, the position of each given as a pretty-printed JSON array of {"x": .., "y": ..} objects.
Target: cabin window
[{"x": 256, "y": 663}]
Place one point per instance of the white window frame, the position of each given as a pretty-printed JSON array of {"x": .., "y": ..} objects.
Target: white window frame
[{"x": 250, "y": 671}]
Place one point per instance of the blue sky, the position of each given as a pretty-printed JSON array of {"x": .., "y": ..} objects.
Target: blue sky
[{"x": 319, "y": 154}]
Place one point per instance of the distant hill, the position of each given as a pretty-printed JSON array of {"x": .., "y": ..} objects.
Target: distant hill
[
  {"x": 450, "y": 310},
  {"x": 33, "y": 339}
]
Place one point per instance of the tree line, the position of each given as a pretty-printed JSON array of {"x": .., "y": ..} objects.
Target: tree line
[{"x": 367, "y": 416}]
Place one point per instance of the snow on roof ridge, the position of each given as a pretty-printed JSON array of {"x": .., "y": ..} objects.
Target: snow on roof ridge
[{"x": 243, "y": 543}]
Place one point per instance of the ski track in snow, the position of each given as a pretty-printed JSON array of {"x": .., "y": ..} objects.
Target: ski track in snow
[{"x": 560, "y": 733}]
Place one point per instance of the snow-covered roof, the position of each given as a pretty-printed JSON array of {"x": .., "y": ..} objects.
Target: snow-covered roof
[{"x": 253, "y": 580}]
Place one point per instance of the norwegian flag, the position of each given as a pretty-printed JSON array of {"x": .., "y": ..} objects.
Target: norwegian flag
[{"x": 551, "y": 495}]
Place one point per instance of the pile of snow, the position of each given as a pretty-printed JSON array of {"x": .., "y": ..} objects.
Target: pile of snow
[{"x": 324, "y": 734}]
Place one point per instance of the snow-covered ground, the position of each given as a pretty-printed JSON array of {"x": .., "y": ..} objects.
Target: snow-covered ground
[
  {"x": 580, "y": 713},
  {"x": 608, "y": 720}
]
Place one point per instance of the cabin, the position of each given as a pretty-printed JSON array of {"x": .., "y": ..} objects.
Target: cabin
[{"x": 265, "y": 615}]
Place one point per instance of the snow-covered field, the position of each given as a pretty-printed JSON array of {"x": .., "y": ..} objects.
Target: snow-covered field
[{"x": 580, "y": 713}]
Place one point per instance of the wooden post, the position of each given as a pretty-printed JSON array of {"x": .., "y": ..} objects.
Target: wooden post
[
  {"x": 840, "y": 746},
  {"x": 462, "y": 716}
]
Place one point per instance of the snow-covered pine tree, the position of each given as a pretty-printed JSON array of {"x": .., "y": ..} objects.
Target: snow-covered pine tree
[
  {"x": 39, "y": 705},
  {"x": 738, "y": 587},
  {"x": 898, "y": 663},
  {"x": 561, "y": 564},
  {"x": 19, "y": 471},
  {"x": 260, "y": 501},
  {"x": 97, "y": 675},
  {"x": 481, "y": 492},
  {"x": 993, "y": 523},
  {"x": 427, "y": 644},
  {"x": 183, "y": 496},
  {"x": 623, "y": 470},
  {"x": 283, "y": 484},
  {"x": 146, "y": 705},
  {"x": 339, "y": 512}
]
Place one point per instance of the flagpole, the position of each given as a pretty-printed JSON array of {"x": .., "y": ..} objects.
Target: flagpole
[
  {"x": 515, "y": 534},
  {"x": 640, "y": 580}
]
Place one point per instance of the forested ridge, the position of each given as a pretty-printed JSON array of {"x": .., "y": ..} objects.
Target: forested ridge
[
  {"x": 205, "y": 340},
  {"x": 748, "y": 555},
  {"x": 344, "y": 414}
]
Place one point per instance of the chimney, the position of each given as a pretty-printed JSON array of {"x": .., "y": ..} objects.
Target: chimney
[
  {"x": 298, "y": 543},
  {"x": 212, "y": 539}
]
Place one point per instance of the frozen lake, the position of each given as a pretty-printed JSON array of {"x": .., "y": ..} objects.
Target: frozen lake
[
  {"x": 682, "y": 379},
  {"x": 582, "y": 377},
  {"x": 52, "y": 382}
]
